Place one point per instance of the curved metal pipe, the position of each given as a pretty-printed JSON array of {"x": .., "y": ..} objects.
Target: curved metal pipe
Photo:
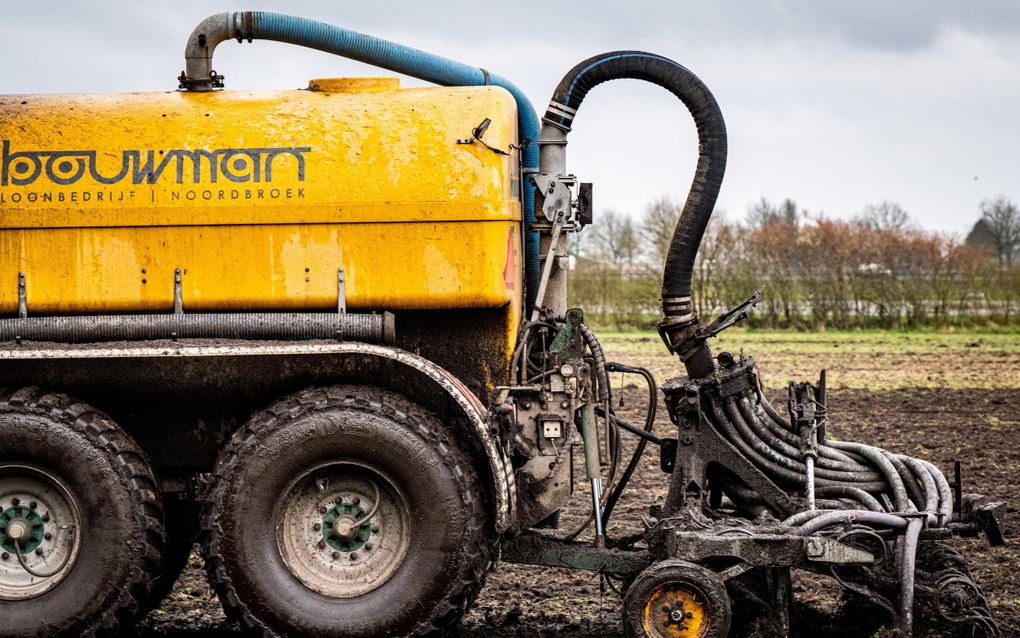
[{"x": 264, "y": 25}]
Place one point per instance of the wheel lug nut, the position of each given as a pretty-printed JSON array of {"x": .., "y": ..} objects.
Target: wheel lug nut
[
  {"x": 322, "y": 544},
  {"x": 339, "y": 500},
  {"x": 47, "y": 536},
  {"x": 667, "y": 608},
  {"x": 5, "y": 556},
  {"x": 375, "y": 529},
  {"x": 317, "y": 526},
  {"x": 33, "y": 505},
  {"x": 46, "y": 517},
  {"x": 39, "y": 552},
  {"x": 356, "y": 500},
  {"x": 323, "y": 510},
  {"x": 15, "y": 502},
  {"x": 354, "y": 555},
  {"x": 336, "y": 555},
  {"x": 368, "y": 547}
]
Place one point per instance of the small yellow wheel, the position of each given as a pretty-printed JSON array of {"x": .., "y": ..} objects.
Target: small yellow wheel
[{"x": 676, "y": 599}]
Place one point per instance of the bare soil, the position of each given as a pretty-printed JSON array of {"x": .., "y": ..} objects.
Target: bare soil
[{"x": 979, "y": 426}]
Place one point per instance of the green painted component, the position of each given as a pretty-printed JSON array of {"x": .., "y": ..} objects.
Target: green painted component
[
  {"x": 341, "y": 544},
  {"x": 534, "y": 549},
  {"x": 561, "y": 344},
  {"x": 29, "y": 516}
]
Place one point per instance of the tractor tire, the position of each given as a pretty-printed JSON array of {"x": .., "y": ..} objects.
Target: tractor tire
[
  {"x": 676, "y": 599},
  {"x": 87, "y": 498},
  {"x": 345, "y": 511}
]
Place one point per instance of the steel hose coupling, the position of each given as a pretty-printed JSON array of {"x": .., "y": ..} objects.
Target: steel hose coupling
[{"x": 198, "y": 74}]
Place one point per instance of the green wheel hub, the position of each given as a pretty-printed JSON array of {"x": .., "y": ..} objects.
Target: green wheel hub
[
  {"x": 30, "y": 519},
  {"x": 339, "y": 512}
]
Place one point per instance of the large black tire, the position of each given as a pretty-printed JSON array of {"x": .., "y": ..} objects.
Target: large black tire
[
  {"x": 450, "y": 546},
  {"x": 651, "y": 609},
  {"x": 119, "y": 507}
]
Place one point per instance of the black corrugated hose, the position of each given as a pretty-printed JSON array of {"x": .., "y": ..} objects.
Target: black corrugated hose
[{"x": 678, "y": 312}]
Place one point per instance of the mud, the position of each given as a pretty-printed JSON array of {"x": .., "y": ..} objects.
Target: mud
[{"x": 978, "y": 426}]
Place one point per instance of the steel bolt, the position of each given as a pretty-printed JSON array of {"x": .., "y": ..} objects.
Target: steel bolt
[
  {"x": 39, "y": 552},
  {"x": 323, "y": 510},
  {"x": 375, "y": 529},
  {"x": 354, "y": 555},
  {"x": 48, "y": 536},
  {"x": 317, "y": 527},
  {"x": 15, "y": 502},
  {"x": 5, "y": 556},
  {"x": 368, "y": 547},
  {"x": 33, "y": 505},
  {"x": 336, "y": 555},
  {"x": 339, "y": 500},
  {"x": 46, "y": 517},
  {"x": 356, "y": 500},
  {"x": 322, "y": 544}
]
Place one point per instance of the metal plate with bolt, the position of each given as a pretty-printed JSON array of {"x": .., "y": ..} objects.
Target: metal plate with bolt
[{"x": 344, "y": 530}]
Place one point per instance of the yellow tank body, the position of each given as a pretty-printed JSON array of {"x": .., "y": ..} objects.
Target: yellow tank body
[{"x": 259, "y": 198}]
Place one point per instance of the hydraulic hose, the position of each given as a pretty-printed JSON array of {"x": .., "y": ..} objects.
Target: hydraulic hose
[
  {"x": 677, "y": 308},
  {"x": 639, "y": 450},
  {"x": 264, "y": 25}
]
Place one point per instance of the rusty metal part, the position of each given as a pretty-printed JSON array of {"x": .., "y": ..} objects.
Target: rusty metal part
[{"x": 534, "y": 548}]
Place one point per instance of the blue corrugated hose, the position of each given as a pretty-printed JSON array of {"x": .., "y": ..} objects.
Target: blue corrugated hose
[{"x": 265, "y": 25}]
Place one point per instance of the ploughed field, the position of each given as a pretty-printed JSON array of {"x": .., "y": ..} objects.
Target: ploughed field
[{"x": 935, "y": 396}]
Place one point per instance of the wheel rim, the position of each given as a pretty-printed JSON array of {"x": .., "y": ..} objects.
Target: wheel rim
[
  {"x": 324, "y": 537},
  {"x": 40, "y": 517},
  {"x": 676, "y": 610}
]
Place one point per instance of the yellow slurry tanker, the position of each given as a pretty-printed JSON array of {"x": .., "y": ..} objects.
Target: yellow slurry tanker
[{"x": 324, "y": 332}]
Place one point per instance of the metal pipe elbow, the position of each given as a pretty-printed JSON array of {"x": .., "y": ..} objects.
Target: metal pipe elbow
[{"x": 198, "y": 74}]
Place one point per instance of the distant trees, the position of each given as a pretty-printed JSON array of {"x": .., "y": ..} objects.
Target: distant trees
[
  {"x": 878, "y": 269},
  {"x": 885, "y": 215},
  {"x": 998, "y": 228}
]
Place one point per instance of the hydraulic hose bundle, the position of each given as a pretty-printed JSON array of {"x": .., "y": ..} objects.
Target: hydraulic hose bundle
[{"x": 849, "y": 488}]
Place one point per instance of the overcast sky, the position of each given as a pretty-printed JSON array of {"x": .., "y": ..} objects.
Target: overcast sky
[{"x": 834, "y": 104}]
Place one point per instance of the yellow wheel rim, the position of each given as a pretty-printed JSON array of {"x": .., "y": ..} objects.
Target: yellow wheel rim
[{"x": 675, "y": 610}]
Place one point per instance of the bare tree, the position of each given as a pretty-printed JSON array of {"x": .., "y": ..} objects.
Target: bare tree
[
  {"x": 657, "y": 226},
  {"x": 886, "y": 215},
  {"x": 615, "y": 239},
  {"x": 763, "y": 213},
  {"x": 1001, "y": 221}
]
